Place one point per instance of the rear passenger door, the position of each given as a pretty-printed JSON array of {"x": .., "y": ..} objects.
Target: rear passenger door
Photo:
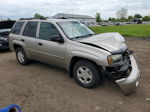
[
  {"x": 29, "y": 38},
  {"x": 50, "y": 51}
]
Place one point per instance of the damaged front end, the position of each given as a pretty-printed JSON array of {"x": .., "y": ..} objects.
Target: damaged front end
[
  {"x": 128, "y": 84},
  {"x": 127, "y": 74}
]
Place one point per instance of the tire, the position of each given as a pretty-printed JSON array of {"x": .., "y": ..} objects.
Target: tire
[
  {"x": 21, "y": 56},
  {"x": 86, "y": 74}
]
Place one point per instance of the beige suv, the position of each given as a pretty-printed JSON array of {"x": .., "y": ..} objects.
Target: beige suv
[{"x": 73, "y": 46}]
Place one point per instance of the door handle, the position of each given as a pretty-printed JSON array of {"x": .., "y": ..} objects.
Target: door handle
[
  {"x": 22, "y": 40},
  {"x": 40, "y": 43}
]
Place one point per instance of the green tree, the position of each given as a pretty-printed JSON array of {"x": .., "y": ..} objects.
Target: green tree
[
  {"x": 146, "y": 18},
  {"x": 123, "y": 20},
  {"x": 113, "y": 19},
  {"x": 130, "y": 17},
  {"x": 37, "y": 15},
  {"x": 109, "y": 19},
  {"x": 98, "y": 17},
  {"x": 137, "y": 16}
]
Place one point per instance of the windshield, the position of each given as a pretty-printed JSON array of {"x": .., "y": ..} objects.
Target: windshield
[{"x": 74, "y": 29}]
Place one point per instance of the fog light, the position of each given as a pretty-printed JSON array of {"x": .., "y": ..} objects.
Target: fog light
[{"x": 128, "y": 72}]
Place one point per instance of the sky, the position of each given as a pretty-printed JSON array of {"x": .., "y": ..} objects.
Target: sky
[{"x": 15, "y": 9}]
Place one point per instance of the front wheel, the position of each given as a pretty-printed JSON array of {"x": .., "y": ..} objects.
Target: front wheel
[
  {"x": 21, "y": 56},
  {"x": 86, "y": 74}
]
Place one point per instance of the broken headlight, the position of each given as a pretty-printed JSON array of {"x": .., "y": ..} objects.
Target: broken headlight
[{"x": 112, "y": 59}]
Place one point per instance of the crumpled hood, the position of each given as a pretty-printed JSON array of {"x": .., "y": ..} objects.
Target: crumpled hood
[{"x": 109, "y": 41}]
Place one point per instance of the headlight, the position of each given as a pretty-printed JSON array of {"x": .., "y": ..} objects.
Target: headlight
[
  {"x": 114, "y": 59},
  {"x": 3, "y": 38}
]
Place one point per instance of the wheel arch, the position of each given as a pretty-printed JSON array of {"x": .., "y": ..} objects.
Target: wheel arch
[
  {"x": 77, "y": 58},
  {"x": 17, "y": 46}
]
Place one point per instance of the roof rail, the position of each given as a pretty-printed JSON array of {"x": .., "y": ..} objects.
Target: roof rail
[{"x": 32, "y": 18}]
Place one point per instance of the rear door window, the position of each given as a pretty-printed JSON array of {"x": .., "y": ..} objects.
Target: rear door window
[
  {"x": 30, "y": 29},
  {"x": 17, "y": 28}
]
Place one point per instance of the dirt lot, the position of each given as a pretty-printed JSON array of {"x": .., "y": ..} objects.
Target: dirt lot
[{"x": 42, "y": 88}]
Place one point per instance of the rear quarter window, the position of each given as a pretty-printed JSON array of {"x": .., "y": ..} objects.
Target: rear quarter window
[{"x": 17, "y": 28}]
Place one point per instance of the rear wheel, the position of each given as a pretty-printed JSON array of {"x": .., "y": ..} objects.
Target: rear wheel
[
  {"x": 86, "y": 74},
  {"x": 21, "y": 56}
]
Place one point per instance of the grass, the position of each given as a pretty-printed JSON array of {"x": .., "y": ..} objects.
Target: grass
[{"x": 125, "y": 30}]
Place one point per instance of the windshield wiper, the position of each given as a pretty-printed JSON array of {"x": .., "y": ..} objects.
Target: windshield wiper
[
  {"x": 79, "y": 37},
  {"x": 90, "y": 35},
  {"x": 85, "y": 36}
]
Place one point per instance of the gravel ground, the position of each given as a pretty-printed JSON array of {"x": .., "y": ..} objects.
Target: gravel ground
[{"x": 43, "y": 88}]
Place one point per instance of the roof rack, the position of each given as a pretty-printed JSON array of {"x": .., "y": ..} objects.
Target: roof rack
[{"x": 32, "y": 18}]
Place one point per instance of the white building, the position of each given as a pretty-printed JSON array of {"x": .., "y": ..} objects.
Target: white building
[{"x": 88, "y": 20}]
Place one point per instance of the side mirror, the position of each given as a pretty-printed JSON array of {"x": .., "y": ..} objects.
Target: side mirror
[{"x": 57, "y": 38}]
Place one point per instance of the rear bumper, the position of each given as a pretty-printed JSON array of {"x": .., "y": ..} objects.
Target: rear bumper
[{"x": 130, "y": 83}]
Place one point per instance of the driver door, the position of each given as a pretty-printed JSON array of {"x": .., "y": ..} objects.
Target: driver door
[{"x": 49, "y": 51}]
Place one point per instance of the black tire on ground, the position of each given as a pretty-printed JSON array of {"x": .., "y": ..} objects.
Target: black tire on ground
[
  {"x": 96, "y": 75},
  {"x": 25, "y": 60}
]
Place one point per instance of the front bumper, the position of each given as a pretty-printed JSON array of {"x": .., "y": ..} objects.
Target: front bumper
[
  {"x": 4, "y": 45},
  {"x": 129, "y": 84}
]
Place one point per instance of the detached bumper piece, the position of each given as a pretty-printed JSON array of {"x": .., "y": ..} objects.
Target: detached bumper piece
[{"x": 130, "y": 83}]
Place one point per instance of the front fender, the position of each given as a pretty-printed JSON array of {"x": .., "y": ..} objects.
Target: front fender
[{"x": 97, "y": 59}]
